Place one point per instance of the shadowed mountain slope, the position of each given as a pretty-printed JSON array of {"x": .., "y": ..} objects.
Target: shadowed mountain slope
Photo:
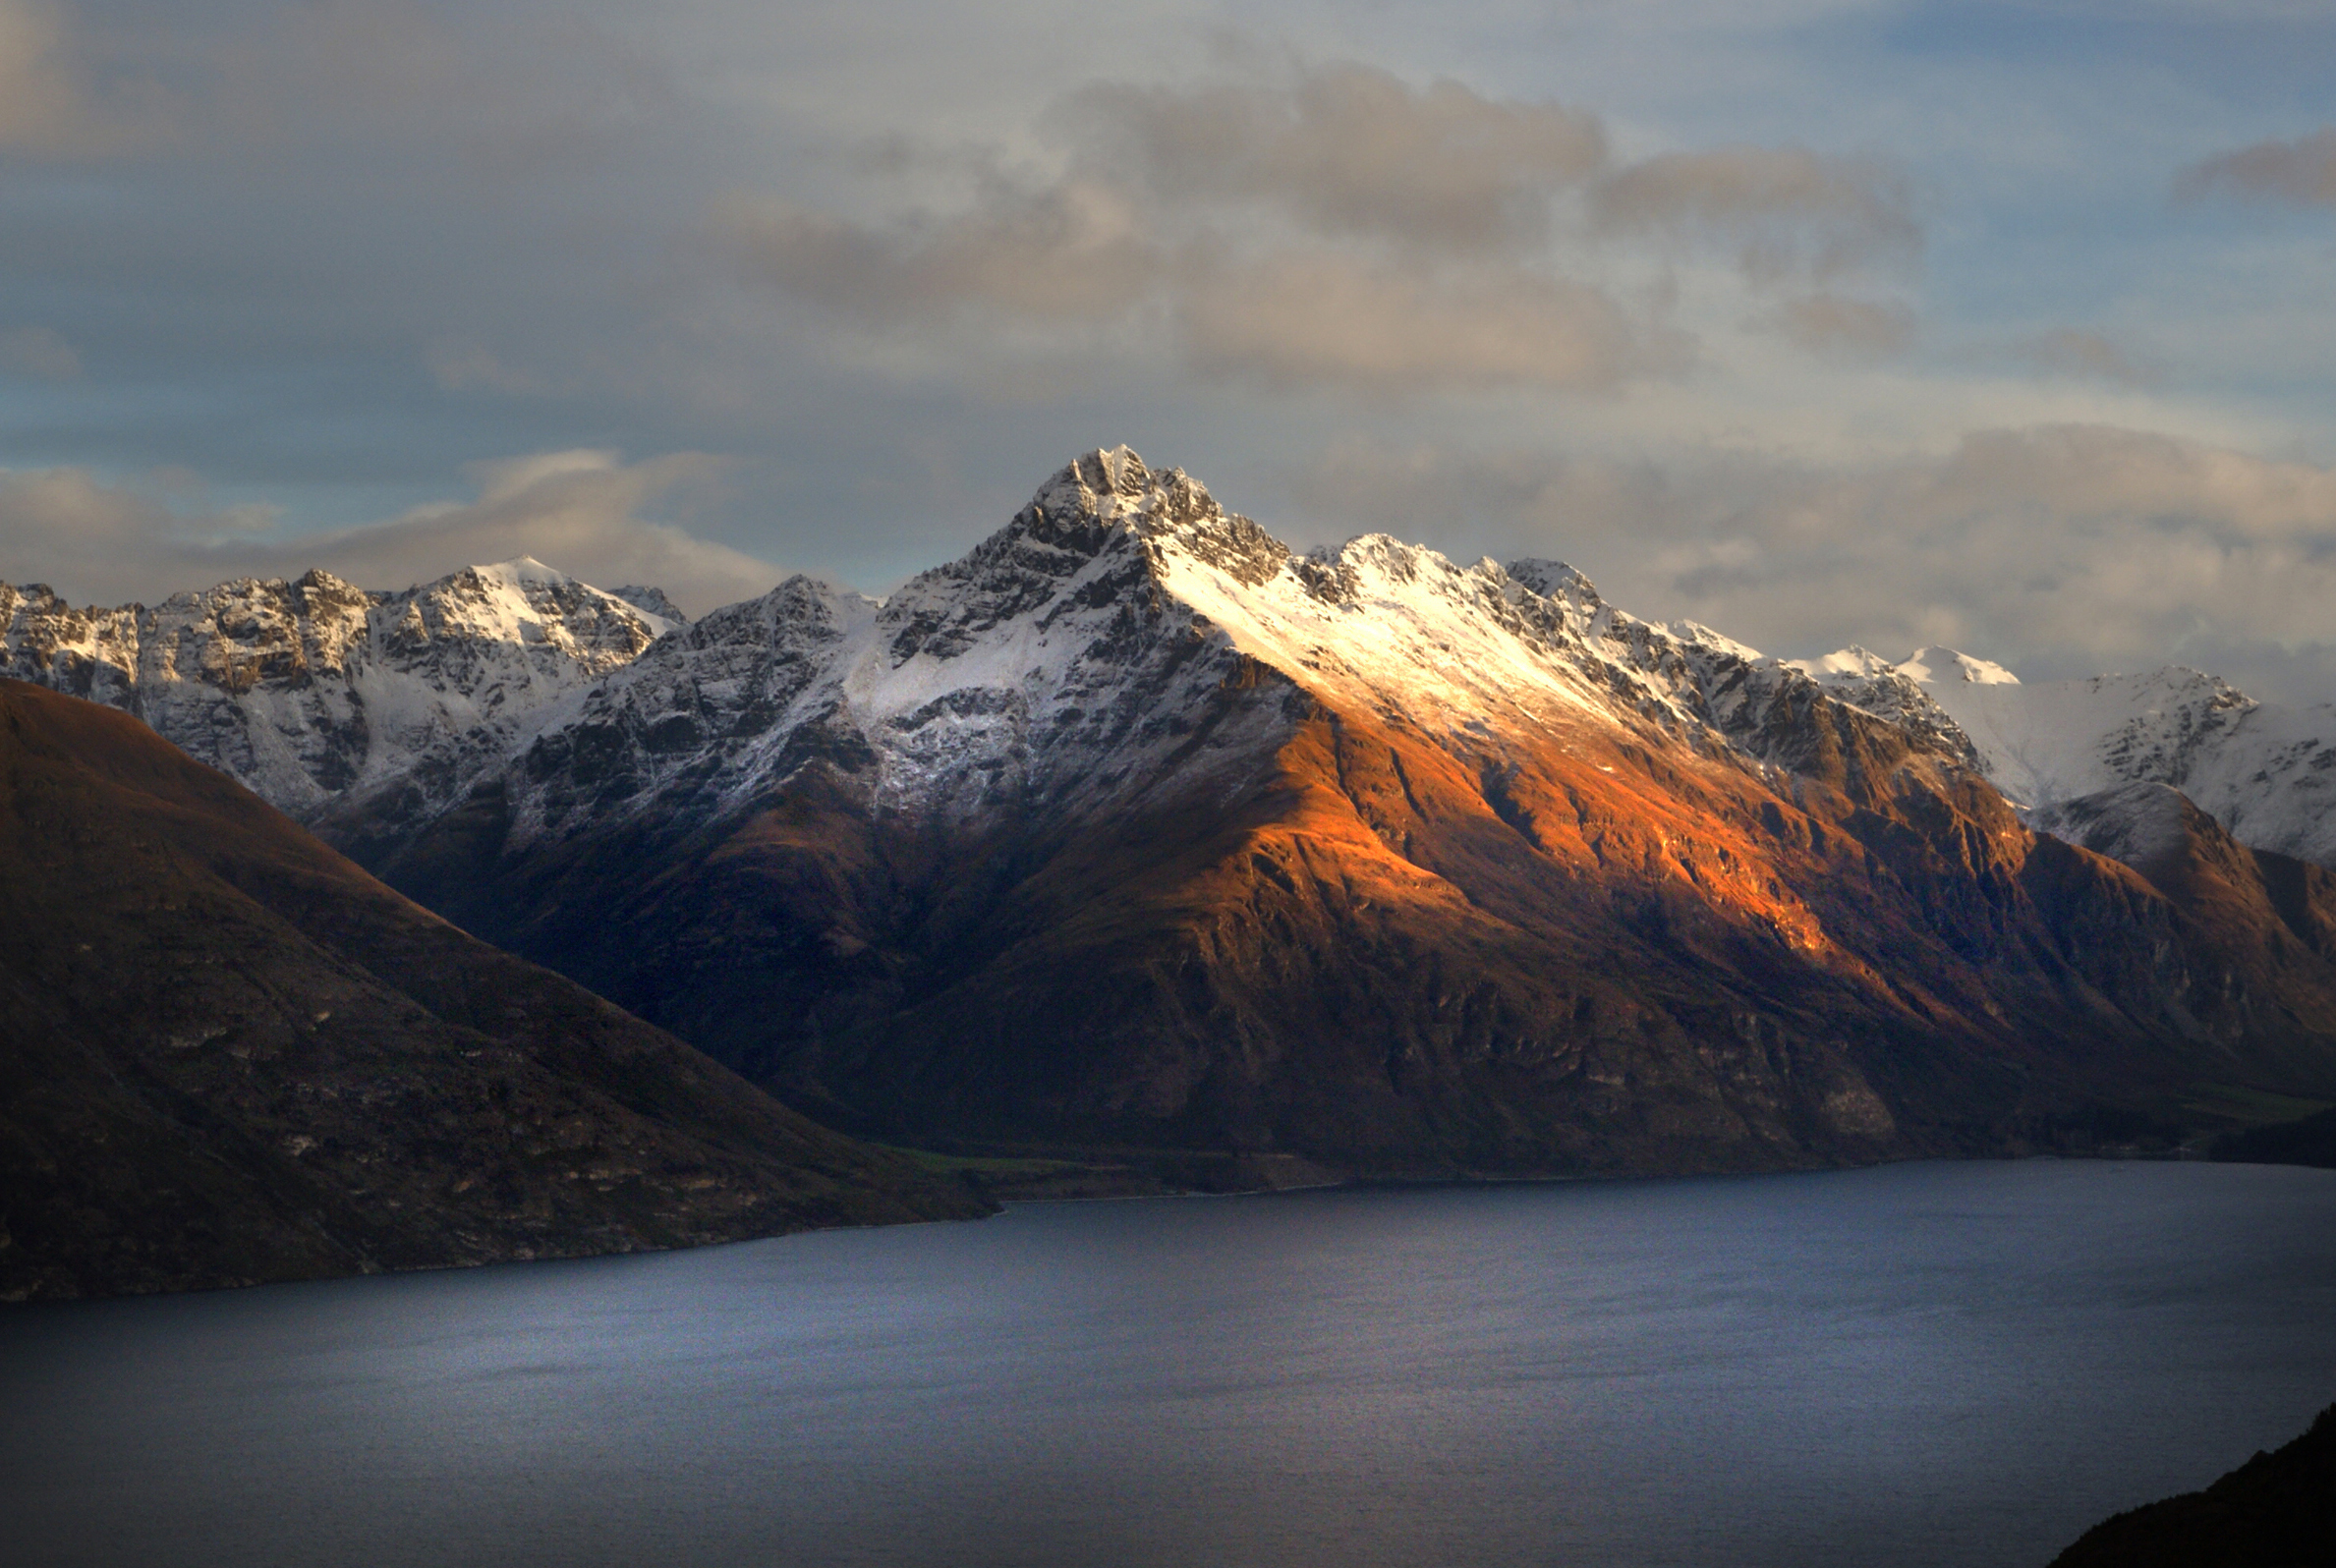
[
  {"x": 1136, "y": 827},
  {"x": 228, "y": 1056}
]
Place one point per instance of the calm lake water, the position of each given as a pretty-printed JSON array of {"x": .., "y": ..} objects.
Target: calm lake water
[{"x": 1941, "y": 1363}]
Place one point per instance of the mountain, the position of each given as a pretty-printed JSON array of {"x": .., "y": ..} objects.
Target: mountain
[
  {"x": 2278, "y": 1510},
  {"x": 228, "y": 1056},
  {"x": 316, "y": 691},
  {"x": 1136, "y": 829},
  {"x": 2267, "y": 772}
]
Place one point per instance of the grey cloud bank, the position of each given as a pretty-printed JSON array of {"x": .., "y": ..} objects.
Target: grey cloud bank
[{"x": 1341, "y": 230}]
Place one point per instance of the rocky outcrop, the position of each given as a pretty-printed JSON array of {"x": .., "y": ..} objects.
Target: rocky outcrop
[
  {"x": 314, "y": 693},
  {"x": 227, "y": 1055}
]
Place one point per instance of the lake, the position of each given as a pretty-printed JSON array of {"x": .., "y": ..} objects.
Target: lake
[{"x": 1950, "y": 1364}]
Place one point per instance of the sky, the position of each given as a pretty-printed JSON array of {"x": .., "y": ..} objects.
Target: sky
[{"x": 2009, "y": 328}]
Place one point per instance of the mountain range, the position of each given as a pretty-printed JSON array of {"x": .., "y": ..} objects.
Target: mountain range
[
  {"x": 2267, "y": 772},
  {"x": 1136, "y": 829}
]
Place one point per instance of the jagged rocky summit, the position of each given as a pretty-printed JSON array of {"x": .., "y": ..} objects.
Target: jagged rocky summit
[
  {"x": 314, "y": 690},
  {"x": 1136, "y": 827}
]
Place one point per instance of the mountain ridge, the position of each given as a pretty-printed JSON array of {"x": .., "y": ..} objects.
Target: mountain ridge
[
  {"x": 2266, "y": 771},
  {"x": 1134, "y": 827},
  {"x": 313, "y": 689},
  {"x": 1135, "y": 824}
]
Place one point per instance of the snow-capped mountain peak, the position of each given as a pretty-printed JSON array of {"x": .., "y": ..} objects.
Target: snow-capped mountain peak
[
  {"x": 311, "y": 688},
  {"x": 1851, "y": 661},
  {"x": 2266, "y": 773},
  {"x": 1066, "y": 655},
  {"x": 1937, "y": 665},
  {"x": 1070, "y": 659}
]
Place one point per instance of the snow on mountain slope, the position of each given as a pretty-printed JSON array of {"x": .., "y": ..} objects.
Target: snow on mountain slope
[
  {"x": 2266, "y": 773},
  {"x": 1018, "y": 669},
  {"x": 307, "y": 691},
  {"x": 1018, "y": 672},
  {"x": 1135, "y": 826},
  {"x": 91, "y": 652},
  {"x": 1035, "y": 670}
]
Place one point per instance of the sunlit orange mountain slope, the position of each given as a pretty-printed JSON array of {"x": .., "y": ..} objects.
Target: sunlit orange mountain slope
[{"x": 1136, "y": 827}]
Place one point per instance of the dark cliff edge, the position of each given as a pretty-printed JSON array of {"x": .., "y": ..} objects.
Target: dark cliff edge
[
  {"x": 2278, "y": 1510},
  {"x": 229, "y": 1057}
]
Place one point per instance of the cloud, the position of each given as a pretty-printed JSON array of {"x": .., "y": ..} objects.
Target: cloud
[
  {"x": 1298, "y": 315},
  {"x": 460, "y": 366},
  {"x": 1309, "y": 318},
  {"x": 39, "y": 354},
  {"x": 1076, "y": 250},
  {"x": 1348, "y": 150},
  {"x": 1837, "y": 327},
  {"x": 2302, "y": 171},
  {"x": 63, "y": 525},
  {"x": 1339, "y": 229},
  {"x": 1078, "y": 253},
  {"x": 43, "y": 105},
  {"x": 60, "y": 99},
  {"x": 2061, "y": 550},
  {"x": 580, "y": 511},
  {"x": 1786, "y": 211},
  {"x": 2075, "y": 352}
]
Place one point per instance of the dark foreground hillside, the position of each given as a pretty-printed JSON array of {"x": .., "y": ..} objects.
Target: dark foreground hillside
[
  {"x": 2278, "y": 1510},
  {"x": 227, "y": 1055}
]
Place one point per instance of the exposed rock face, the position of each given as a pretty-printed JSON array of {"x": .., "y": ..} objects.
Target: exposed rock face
[
  {"x": 1136, "y": 826},
  {"x": 228, "y": 1056},
  {"x": 315, "y": 691},
  {"x": 91, "y": 652}
]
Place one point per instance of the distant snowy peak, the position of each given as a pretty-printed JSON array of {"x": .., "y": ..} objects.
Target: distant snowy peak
[
  {"x": 86, "y": 652},
  {"x": 1925, "y": 666},
  {"x": 1944, "y": 665},
  {"x": 561, "y": 627},
  {"x": 1897, "y": 693},
  {"x": 653, "y": 601},
  {"x": 2266, "y": 773},
  {"x": 308, "y": 688},
  {"x": 1851, "y": 663}
]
